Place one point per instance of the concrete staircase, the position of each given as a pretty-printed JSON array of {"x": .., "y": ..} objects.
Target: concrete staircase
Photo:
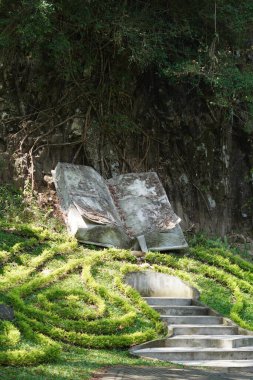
[{"x": 197, "y": 336}]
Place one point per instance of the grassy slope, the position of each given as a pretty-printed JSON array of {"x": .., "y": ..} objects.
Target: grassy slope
[{"x": 71, "y": 305}]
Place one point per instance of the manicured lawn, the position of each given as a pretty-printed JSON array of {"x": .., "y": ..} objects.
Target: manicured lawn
[
  {"x": 76, "y": 364},
  {"x": 73, "y": 312}
]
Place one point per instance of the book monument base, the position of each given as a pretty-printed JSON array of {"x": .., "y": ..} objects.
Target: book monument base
[{"x": 130, "y": 211}]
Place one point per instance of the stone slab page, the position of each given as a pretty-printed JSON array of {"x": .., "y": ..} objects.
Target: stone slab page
[
  {"x": 117, "y": 211},
  {"x": 142, "y": 203}
]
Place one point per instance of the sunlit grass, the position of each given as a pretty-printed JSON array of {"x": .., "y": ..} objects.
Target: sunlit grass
[{"x": 76, "y": 298}]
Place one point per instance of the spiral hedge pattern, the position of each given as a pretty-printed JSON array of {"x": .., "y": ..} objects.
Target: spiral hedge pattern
[
  {"x": 50, "y": 284},
  {"x": 65, "y": 294}
]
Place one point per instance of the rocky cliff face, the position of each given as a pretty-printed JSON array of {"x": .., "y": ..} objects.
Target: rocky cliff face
[{"x": 203, "y": 159}]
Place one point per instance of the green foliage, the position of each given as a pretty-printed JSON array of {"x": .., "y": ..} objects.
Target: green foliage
[
  {"x": 104, "y": 47},
  {"x": 77, "y": 364},
  {"x": 65, "y": 295},
  {"x": 22, "y": 206},
  {"x": 9, "y": 335},
  {"x": 11, "y": 202},
  {"x": 237, "y": 278},
  {"x": 52, "y": 302},
  {"x": 59, "y": 29}
]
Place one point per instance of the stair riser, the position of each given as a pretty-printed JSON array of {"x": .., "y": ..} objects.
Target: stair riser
[
  {"x": 168, "y": 301},
  {"x": 243, "y": 342},
  {"x": 181, "y": 311},
  {"x": 180, "y": 315},
  {"x": 235, "y": 366},
  {"x": 204, "y": 330},
  {"x": 209, "y": 343},
  {"x": 205, "y": 343},
  {"x": 195, "y": 320},
  {"x": 210, "y": 355}
]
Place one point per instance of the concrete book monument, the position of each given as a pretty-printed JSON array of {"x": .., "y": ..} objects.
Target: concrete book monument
[{"x": 129, "y": 211}]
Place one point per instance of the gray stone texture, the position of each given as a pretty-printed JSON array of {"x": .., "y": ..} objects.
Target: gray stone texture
[
  {"x": 158, "y": 373},
  {"x": 154, "y": 284},
  {"x": 6, "y": 312},
  {"x": 128, "y": 211}
]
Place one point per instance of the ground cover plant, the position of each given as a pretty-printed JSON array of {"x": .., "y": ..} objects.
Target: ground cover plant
[{"x": 73, "y": 311}]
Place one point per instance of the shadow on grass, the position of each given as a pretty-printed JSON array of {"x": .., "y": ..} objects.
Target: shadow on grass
[{"x": 77, "y": 364}]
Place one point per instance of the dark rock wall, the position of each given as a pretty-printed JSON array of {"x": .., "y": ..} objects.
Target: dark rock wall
[{"x": 203, "y": 159}]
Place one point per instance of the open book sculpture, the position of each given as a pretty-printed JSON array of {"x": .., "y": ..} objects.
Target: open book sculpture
[{"x": 128, "y": 211}]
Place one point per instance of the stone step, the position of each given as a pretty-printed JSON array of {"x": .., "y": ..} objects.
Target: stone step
[
  {"x": 192, "y": 320},
  {"x": 205, "y": 341},
  {"x": 167, "y": 301},
  {"x": 181, "y": 310},
  {"x": 203, "y": 330},
  {"x": 248, "y": 364},
  {"x": 189, "y": 354},
  {"x": 198, "y": 338}
]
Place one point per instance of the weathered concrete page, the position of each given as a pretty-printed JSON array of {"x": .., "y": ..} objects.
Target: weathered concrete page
[
  {"x": 128, "y": 211},
  {"x": 146, "y": 211},
  {"x": 88, "y": 207}
]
